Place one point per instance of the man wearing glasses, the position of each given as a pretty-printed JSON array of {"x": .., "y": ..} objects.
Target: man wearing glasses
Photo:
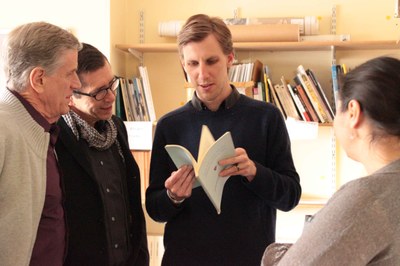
[{"x": 104, "y": 214}]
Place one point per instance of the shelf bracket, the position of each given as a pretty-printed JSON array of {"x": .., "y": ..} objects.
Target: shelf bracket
[
  {"x": 333, "y": 20},
  {"x": 137, "y": 54}
]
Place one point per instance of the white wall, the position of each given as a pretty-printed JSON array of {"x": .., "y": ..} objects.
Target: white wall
[{"x": 89, "y": 20}]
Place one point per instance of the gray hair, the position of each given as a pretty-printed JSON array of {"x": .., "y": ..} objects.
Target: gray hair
[{"x": 36, "y": 44}]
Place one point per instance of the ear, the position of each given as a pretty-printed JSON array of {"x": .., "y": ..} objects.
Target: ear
[
  {"x": 354, "y": 113},
  {"x": 37, "y": 79},
  {"x": 231, "y": 58}
]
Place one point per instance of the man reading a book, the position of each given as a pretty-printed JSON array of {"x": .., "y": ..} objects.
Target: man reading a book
[{"x": 262, "y": 178}]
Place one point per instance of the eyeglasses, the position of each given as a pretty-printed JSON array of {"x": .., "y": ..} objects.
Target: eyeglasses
[{"x": 101, "y": 93}]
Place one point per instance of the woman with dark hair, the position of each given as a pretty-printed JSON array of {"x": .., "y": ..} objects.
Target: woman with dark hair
[{"x": 360, "y": 223}]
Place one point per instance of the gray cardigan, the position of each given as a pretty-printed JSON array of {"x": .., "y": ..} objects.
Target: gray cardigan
[{"x": 23, "y": 151}]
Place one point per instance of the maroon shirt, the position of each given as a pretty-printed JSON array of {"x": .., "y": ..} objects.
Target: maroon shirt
[{"x": 49, "y": 248}]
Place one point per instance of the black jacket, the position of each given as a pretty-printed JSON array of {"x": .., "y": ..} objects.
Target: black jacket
[{"x": 86, "y": 231}]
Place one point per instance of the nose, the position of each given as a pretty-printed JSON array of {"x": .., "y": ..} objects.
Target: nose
[{"x": 203, "y": 71}]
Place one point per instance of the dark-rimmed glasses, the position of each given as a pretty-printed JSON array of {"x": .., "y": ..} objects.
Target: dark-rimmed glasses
[{"x": 101, "y": 93}]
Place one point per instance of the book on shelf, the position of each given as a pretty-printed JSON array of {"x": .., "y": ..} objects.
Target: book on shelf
[
  {"x": 134, "y": 101},
  {"x": 267, "y": 82},
  {"x": 276, "y": 101},
  {"x": 337, "y": 72},
  {"x": 335, "y": 85},
  {"x": 119, "y": 107},
  {"x": 256, "y": 71},
  {"x": 301, "y": 106},
  {"x": 206, "y": 167},
  {"x": 147, "y": 92},
  {"x": 288, "y": 101},
  {"x": 233, "y": 73},
  {"x": 256, "y": 94},
  {"x": 134, "y": 98},
  {"x": 321, "y": 92},
  {"x": 139, "y": 94},
  {"x": 305, "y": 100},
  {"x": 294, "y": 110},
  {"x": 312, "y": 94},
  {"x": 238, "y": 73},
  {"x": 270, "y": 90},
  {"x": 261, "y": 91},
  {"x": 128, "y": 105},
  {"x": 245, "y": 72}
]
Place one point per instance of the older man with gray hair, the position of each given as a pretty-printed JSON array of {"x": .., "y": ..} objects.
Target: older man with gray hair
[{"x": 40, "y": 63}]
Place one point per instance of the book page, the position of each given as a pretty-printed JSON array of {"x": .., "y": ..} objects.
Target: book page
[
  {"x": 206, "y": 168},
  {"x": 206, "y": 141},
  {"x": 209, "y": 169},
  {"x": 181, "y": 156}
]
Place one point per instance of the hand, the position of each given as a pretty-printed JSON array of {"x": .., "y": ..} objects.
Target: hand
[
  {"x": 180, "y": 183},
  {"x": 240, "y": 165}
]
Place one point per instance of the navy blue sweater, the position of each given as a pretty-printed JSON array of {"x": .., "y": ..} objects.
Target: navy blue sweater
[{"x": 195, "y": 234}]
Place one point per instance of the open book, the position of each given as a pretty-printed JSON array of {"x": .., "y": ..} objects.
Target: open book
[{"x": 206, "y": 167}]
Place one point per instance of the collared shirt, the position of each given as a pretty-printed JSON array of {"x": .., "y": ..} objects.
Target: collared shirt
[
  {"x": 49, "y": 247},
  {"x": 109, "y": 171},
  {"x": 226, "y": 104}
]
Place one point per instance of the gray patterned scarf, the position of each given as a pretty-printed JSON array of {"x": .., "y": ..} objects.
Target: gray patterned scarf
[{"x": 100, "y": 141}]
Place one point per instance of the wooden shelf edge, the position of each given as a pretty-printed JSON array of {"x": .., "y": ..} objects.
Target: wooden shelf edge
[
  {"x": 271, "y": 46},
  {"x": 148, "y": 47}
]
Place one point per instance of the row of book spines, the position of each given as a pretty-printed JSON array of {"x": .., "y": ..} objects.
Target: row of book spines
[
  {"x": 134, "y": 100},
  {"x": 245, "y": 72},
  {"x": 303, "y": 101},
  {"x": 131, "y": 103}
]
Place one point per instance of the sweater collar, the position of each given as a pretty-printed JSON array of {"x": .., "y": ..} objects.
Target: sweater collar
[
  {"x": 228, "y": 103},
  {"x": 33, "y": 112}
]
